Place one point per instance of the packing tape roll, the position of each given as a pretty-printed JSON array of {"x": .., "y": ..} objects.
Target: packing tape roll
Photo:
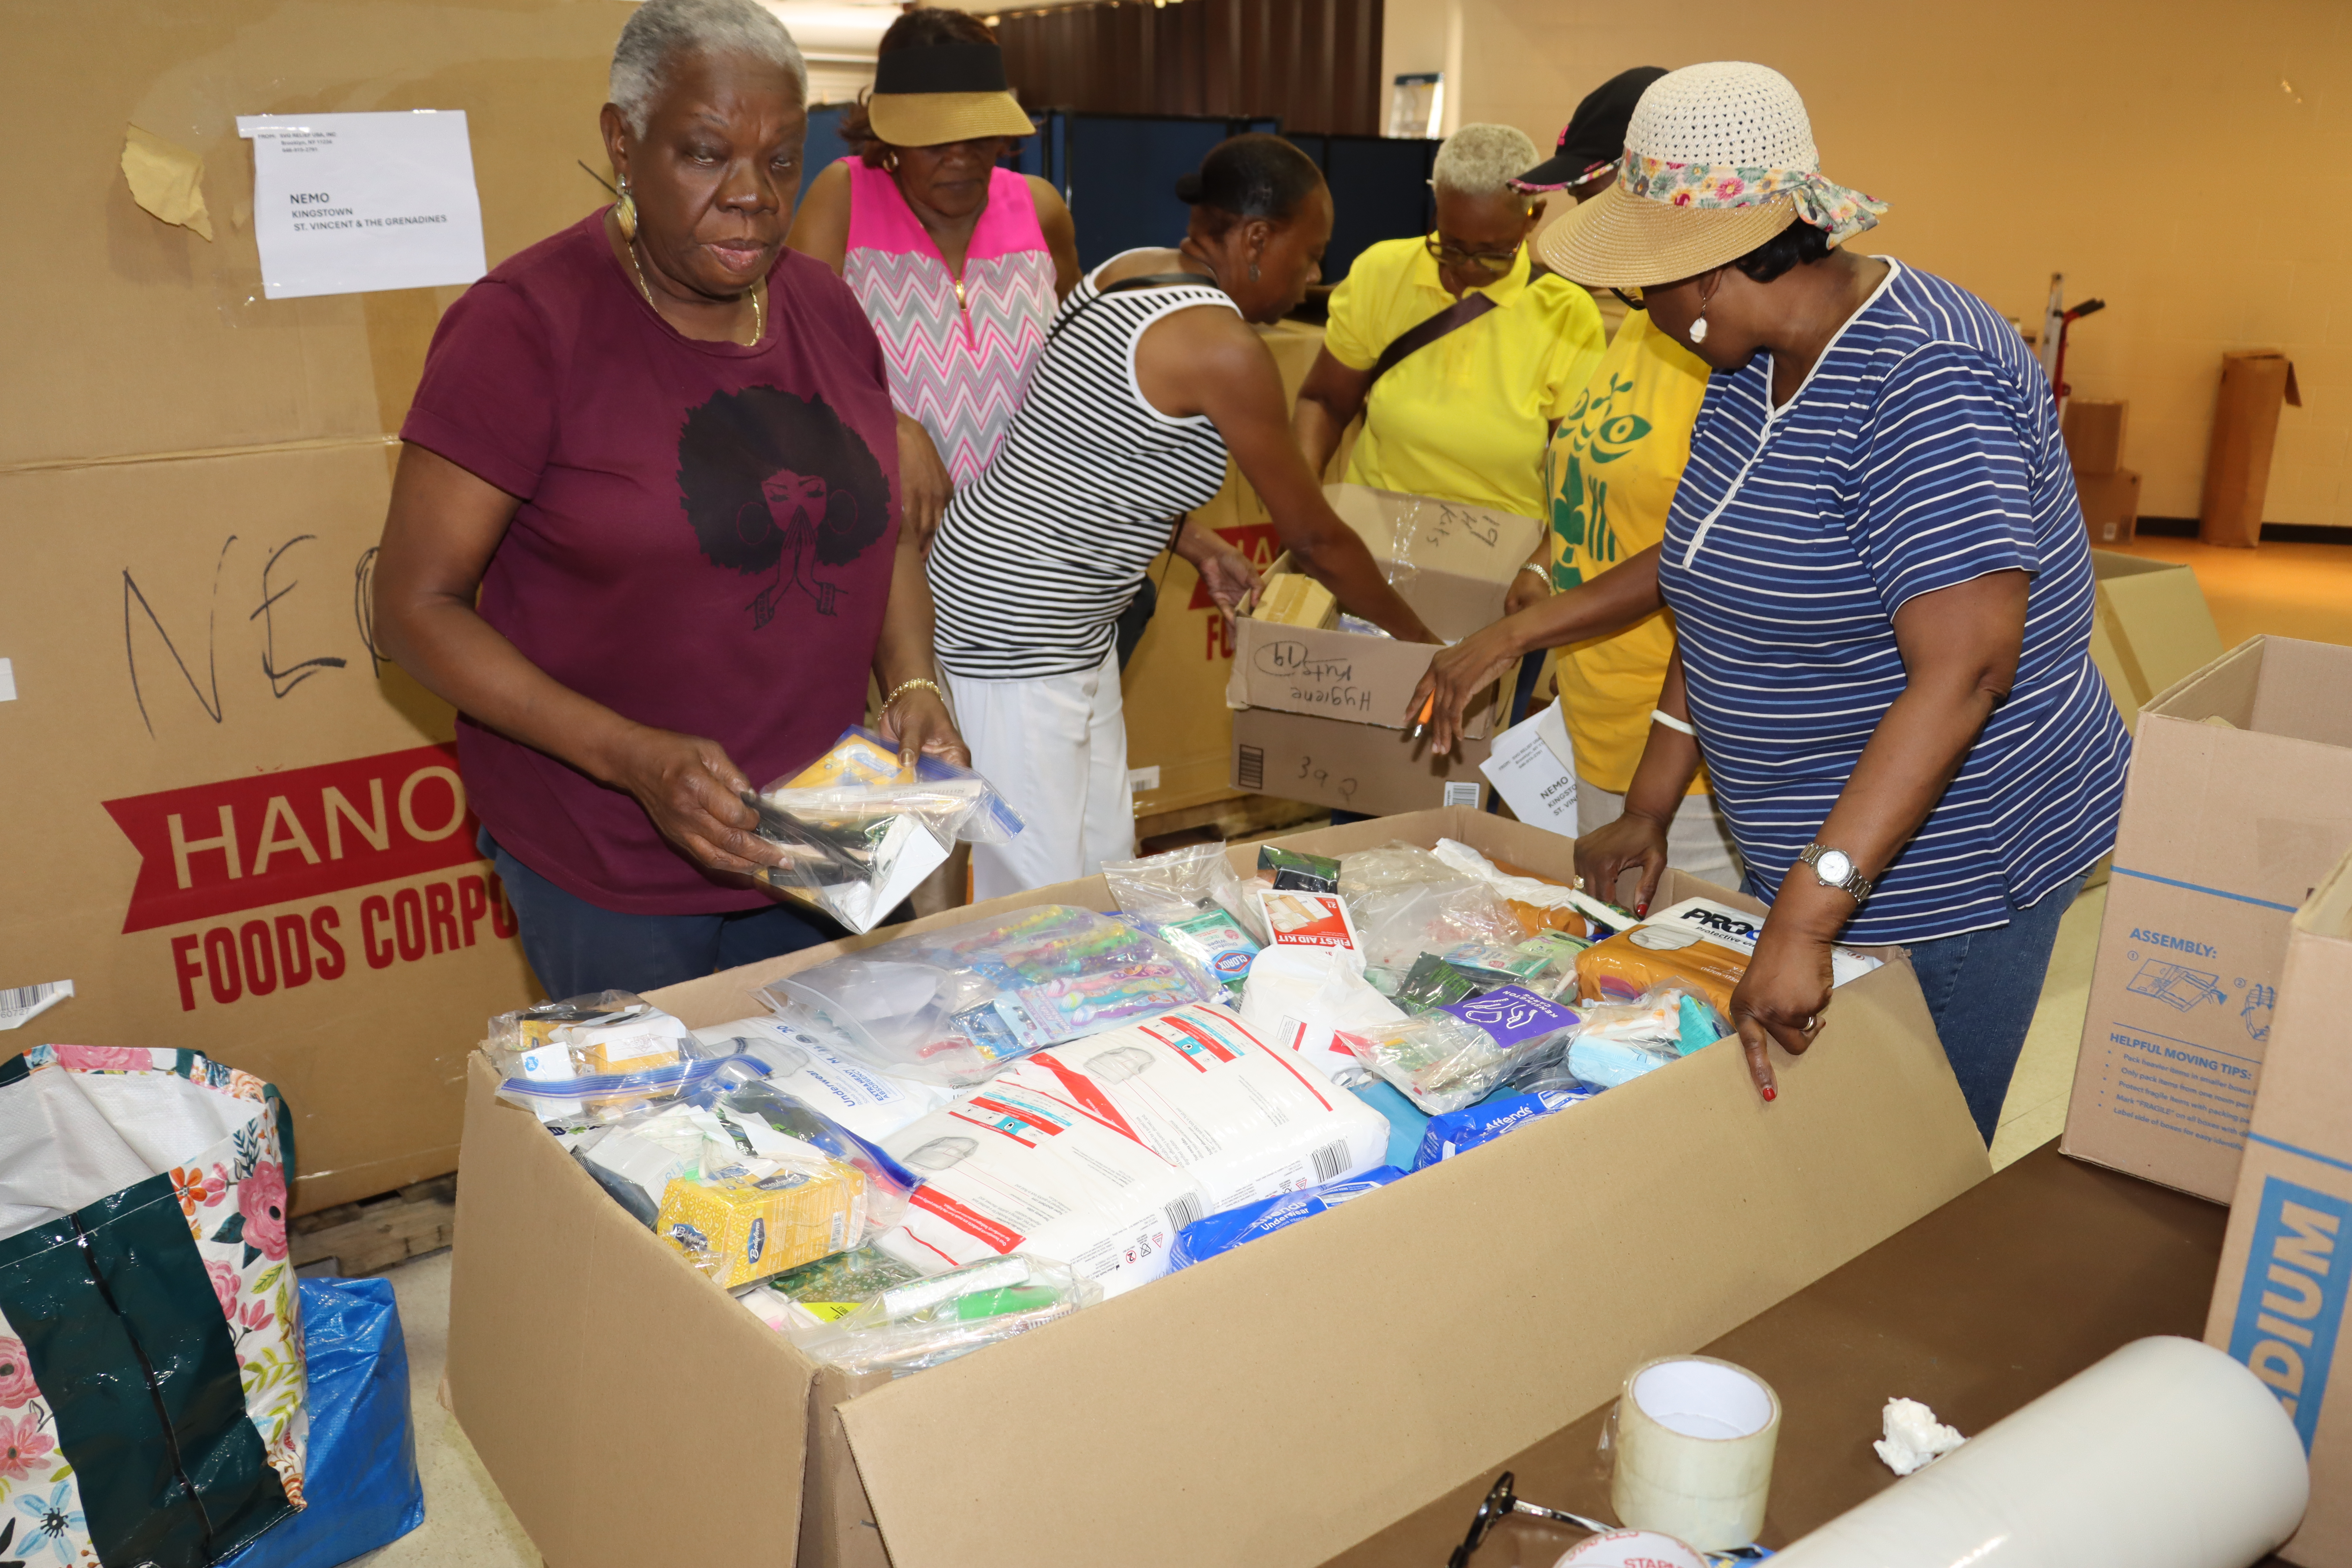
[
  {"x": 2166, "y": 1454},
  {"x": 1694, "y": 1440}
]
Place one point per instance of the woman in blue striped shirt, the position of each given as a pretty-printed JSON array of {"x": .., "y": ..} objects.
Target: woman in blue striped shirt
[{"x": 1880, "y": 579}]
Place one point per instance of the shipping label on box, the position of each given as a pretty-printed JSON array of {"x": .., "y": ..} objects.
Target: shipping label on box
[
  {"x": 2226, "y": 829},
  {"x": 2286, "y": 1278}
]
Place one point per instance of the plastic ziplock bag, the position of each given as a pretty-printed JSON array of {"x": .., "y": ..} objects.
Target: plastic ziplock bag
[
  {"x": 1538, "y": 903},
  {"x": 1228, "y": 1228},
  {"x": 911, "y": 1327},
  {"x": 1456, "y": 1130},
  {"x": 594, "y": 1059},
  {"x": 860, "y": 832},
  {"x": 1406, "y": 902},
  {"x": 1452, "y": 1058},
  {"x": 1618, "y": 1041},
  {"x": 869, "y": 1104},
  {"x": 827, "y": 1290},
  {"x": 952, "y": 1006},
  {"x": 1304, "y": 999},
  {"x": 1181, "y": 883}
]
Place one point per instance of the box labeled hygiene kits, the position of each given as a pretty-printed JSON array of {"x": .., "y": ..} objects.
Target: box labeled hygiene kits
[
  {"x": 2239, "y": 802},
  {"x": 2286, "y": 1276},
  {"x": 1295, "y": 658},
  {"x": 1649, "y": 1220}
]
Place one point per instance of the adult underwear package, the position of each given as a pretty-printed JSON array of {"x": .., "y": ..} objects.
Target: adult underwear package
[
  {"x": 1450, "y": 1134},
  {"x": 1697, "y": 942},
  {"x": 1223, "y": 1231},
  {"x": 1204, "y": 1091},
  {"x": 1010, "y": 1169},
  {"x": 869, "y": 1104},
  {"x": 952, "y": 1006}
]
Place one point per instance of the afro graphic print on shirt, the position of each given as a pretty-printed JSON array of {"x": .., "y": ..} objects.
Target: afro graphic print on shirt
[{"x": 777, "y": 487}]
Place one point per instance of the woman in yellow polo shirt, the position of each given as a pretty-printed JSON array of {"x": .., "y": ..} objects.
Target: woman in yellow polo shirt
[{"x": 1463, "y": 418}]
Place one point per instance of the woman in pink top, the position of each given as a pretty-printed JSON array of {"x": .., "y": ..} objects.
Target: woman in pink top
[{"x": 959, "y": 264}]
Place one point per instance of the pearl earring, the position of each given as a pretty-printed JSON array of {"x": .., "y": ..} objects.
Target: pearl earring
[{"x": 1698, "y": 331}]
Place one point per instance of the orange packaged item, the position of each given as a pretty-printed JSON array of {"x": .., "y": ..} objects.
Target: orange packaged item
[{"x": 1698, "y": 943}]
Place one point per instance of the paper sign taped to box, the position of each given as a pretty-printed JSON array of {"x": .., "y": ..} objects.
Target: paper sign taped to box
[{"x": 348, "y": 204}]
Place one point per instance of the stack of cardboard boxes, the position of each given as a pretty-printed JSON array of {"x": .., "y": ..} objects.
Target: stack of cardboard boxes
[{"x": 2109, "y": 491}]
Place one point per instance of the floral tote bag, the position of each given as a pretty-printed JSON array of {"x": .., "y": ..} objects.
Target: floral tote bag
[{"x": 151, "y": 1387}]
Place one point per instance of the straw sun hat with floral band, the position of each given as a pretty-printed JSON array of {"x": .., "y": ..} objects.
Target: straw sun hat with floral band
[
  {"x": 939, "y": 92},
  {"x": 1718, "y": 159}
]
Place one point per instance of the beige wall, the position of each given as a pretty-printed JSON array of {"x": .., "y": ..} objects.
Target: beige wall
[{"x": 2186, "y": 163}]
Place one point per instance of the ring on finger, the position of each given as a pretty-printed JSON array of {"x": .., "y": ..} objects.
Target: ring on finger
[{"x": 1810, "y": 1024}]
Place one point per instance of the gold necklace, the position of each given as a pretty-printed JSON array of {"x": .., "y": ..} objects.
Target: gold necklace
[{"x": 759, "y": 310}]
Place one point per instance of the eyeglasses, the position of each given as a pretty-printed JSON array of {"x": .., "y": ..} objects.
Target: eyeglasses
[
  {"x": 1502, "y": 1501},
  {"x": 1633, "y": 297},
  {"x": 1449, "y": 254}
]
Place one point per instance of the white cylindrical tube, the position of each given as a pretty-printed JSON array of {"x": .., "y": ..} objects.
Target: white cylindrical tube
[
  {"x": 1695, "y": 1439},
  {"x": 2166, "y": 1454}
]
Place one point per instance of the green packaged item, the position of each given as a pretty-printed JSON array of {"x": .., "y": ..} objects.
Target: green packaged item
[
  {"x": 1434, "y": 982},
  {"x": 834, "y": 1287},
  {"x": 1300, "y": 872}
]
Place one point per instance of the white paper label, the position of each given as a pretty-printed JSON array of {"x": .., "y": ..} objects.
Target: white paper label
[
  {"x": 1463, "y": 793},
  {"x": 7, "y": 680},
  {"x": 1530, "y": 768},
  {"x": 25, "y": 1003},
  {"x": 345, "y": 203},
  {"x": 1142, "y": 779}
]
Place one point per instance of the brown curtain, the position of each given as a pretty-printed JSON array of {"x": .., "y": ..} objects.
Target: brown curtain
[{"x": 1313, "y": 64}]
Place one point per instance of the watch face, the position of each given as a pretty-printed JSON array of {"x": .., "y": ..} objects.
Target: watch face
[{"x": 1833, "y": 865}]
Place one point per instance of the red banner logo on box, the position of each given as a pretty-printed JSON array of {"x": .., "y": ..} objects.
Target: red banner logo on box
[{"x": 215, "y": 848}]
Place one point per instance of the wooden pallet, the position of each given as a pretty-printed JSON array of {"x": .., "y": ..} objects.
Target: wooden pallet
[
  {"x": 370, "y": 1236},
  {"x": 1236, "y": 820}
]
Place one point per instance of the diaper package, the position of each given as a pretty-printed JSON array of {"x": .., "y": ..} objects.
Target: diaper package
[
  {"x": 1009, "y": 1169},
  {"x": 1223, "y": 1231},
  {"x": 869, "y": 1104},
  {"x": 1202, "y": 1089},
  {"x": 953, "y": 1006},
  {"x": 1456, "y": 1130}
]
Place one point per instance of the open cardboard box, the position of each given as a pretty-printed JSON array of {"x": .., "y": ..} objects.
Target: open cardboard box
[
  {"x": 2151, "y": 627},
  {"x": 2226, "y": 830},
  {"x": 1273, "y": 1406},
  {"x": 1452, "y": 563}
]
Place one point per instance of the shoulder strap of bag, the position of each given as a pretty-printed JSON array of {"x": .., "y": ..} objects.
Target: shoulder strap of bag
[
  {"x": 1411, "y": 340},
  {"x": 1143, "y": 280}
]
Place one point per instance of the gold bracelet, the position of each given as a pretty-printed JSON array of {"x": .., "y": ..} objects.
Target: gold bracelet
[{"x": 904, "y": 686}]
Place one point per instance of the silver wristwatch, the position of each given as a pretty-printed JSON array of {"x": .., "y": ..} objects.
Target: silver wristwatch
[{"x": 1835, "y": 868}]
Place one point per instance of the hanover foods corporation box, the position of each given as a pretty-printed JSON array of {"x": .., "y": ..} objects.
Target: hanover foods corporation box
[
  {"x": 2227, "y": 826},
  {"x": 2286, "y": 1264}
]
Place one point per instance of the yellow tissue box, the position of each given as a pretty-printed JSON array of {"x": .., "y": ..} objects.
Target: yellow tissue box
[{"x": 739, "y": 1227}]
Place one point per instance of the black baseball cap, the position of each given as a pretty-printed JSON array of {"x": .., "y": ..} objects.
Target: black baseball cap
[{"x": 1594, "y": 137}]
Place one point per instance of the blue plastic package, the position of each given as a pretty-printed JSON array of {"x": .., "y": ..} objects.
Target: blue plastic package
[
  {"x": 1204, "y": 1239},
  {"x": 361, "y": 1479},
  {"x": 1405, "y": 1119},
  {"x": 1451, "y": 1133}
]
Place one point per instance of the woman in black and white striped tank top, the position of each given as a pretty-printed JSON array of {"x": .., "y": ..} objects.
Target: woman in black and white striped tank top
[{"x": 1152, "y": 375}]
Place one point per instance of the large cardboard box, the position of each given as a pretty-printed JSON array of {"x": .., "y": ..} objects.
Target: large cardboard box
[
  {"x": 2226, "y": 829},
  {"x": 2287, "y": 1263},
  {"x": 2151, "y": 626},
  {"x": 1361, "y": 768},
  {"x": 1179, "y": 734},
  {"x": 2094, "y": 430},
  {"x": 1272, "y": 1406},
  {"x": 2110, "y": 503},
  {"x": 231, "y": 823},
  {"x": 2255, "y": 387}
]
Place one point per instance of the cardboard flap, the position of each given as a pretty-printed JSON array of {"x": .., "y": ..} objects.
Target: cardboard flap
[{"x": 1215, "y": 1431}]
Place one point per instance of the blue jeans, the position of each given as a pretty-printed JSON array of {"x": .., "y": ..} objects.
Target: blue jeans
[
  {"x": 576, "y": 947},
  {"x": 1982, "y": 987}
]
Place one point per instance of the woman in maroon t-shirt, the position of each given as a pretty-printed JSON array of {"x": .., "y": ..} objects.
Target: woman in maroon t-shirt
[{"x": 644, "y": 535}]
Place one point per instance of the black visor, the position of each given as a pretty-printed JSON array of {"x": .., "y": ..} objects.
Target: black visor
[{"x": 942, "y": 68}]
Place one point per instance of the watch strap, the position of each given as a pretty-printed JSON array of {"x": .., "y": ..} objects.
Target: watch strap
[{"x": 1854, "y": 885}]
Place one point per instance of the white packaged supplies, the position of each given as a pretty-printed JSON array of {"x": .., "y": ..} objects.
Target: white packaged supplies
[
  {"x": 1302, "y": 998},
  {"x": 1010, "y": 1170},
  {"x": 1704, "y": 920},
  {"x": 871, "y": 1104},
  {"x": 1202, "y": 1089}
]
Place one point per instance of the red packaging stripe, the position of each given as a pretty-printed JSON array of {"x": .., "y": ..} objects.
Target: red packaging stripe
[{"x": 978, "y": 1226}]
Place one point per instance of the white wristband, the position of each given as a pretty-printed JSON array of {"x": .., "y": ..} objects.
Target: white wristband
[{"x": 1660, "y": 716}]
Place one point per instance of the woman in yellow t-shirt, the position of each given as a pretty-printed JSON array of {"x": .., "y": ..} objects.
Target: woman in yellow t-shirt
[{"x": 1611, "y": 474}]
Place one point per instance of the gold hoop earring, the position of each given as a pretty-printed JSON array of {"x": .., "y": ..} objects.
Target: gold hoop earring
[
  {"x": 890, "y": 162},
  {"x": 624, "y": 212}
]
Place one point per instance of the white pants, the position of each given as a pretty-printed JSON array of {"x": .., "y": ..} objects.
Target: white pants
[
  {"x": 1697, "y": 841},
  {"x": 1056, "y": 749}
]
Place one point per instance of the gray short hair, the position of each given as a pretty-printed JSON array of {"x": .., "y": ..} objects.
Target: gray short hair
[
  {"x": 661, "y": 30},
  {"x": 1482, "y": 160}
]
